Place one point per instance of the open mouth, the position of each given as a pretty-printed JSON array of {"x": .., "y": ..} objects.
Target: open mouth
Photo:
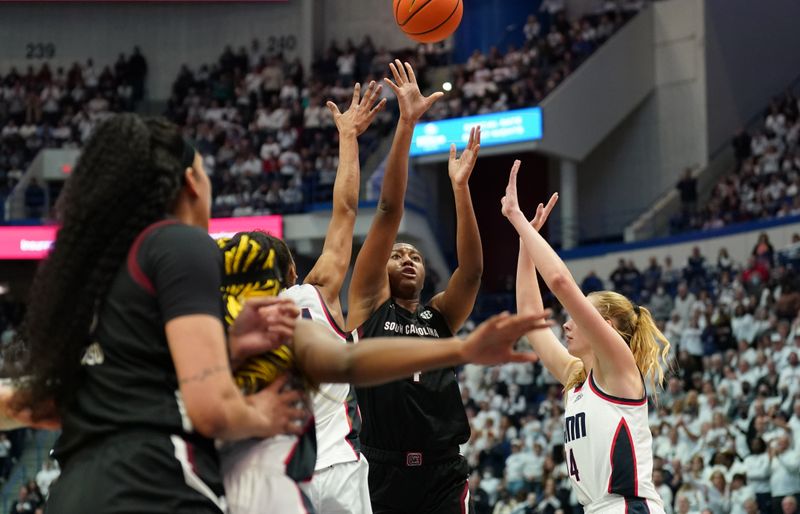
[{"x": 409, "y": 272}]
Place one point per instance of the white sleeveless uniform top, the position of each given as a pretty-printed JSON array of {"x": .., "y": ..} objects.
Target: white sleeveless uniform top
[
  {"x": 335, "y": 409},
  {"x": 609, "y": 452}
]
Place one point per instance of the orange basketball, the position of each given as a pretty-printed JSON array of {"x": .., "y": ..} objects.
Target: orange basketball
[{"x": 428, "y": 21}]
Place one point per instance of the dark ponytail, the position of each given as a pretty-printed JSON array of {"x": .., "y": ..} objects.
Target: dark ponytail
[{"x": 128, "y": 177}]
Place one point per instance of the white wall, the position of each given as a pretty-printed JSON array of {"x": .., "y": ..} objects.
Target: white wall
[
  {"x": 169, "y": 34},
  {"x": 581, "y": 112},
  {"x": 643, "y": 157},
  {"x": 354, "y": 19},
  {"x": 739, "y": 248}
]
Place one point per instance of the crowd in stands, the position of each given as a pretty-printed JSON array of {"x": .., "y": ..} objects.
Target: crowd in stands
[
  {"x": 726, "y": 427},
  {"x": 261, "y": 124},
  {"x": 50, "y": 108},
  {"x": 765, "y": 182},
  {"x": 523, "y": 76}
]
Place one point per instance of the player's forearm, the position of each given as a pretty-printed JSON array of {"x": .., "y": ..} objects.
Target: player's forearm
[
  {"x": 529, "y": 297},
  {"x": 393, "y": 190},
  {"x": 380, "y": 360},
  {"x": 346, "y": 186},
  {"x": 468, "y": 237}
]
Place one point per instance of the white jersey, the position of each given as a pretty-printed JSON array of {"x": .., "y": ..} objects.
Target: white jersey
[
  {"x": 609, "y": 452},
  {"x": 335, "y": 409}
]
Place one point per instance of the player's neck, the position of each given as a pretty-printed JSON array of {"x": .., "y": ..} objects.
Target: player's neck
[{"x": 408, "y": 304}]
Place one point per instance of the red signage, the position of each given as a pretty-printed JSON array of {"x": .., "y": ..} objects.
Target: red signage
[{"x": 33, "y": 243}]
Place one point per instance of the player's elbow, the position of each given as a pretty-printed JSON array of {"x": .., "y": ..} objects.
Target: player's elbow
[
  {"x": 209, "y": 415},
  {"x": 347, "y": 211},
  {"x": 558, "y": 283}
]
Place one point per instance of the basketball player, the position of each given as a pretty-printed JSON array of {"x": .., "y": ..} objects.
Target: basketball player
[
  {"x": 611, "y": 345},
  {"x": 339, "y": 485},
  {"x": 124, "y": 334},
  {"x": 262, "y": 475},
  {"x": 413, "y": 427}
]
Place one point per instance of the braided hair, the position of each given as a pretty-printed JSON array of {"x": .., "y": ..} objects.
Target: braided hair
[
  {"x": 129, "y": 176},
  {"x": 255, "y": 264}
]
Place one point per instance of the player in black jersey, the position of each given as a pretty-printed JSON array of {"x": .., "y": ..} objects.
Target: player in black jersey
[
  {"x": 412, "y": 428},
  {"x": 124, "y": 333}
]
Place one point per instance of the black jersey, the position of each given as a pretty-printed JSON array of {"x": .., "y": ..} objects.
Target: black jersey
[
  {"x": 128, "y": 377},
  {"x": 423, "y": 411}
]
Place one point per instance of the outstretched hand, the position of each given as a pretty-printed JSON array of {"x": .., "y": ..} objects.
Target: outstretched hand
[
  {"x": 461, "y": 168},
  {"x": 510, "y": 202},
  {"x": 358, "y": 117},
  {"x": 412, "y": 102},
  {"x": 543, "y": 212},
  {"x": 494, "y": 339}
]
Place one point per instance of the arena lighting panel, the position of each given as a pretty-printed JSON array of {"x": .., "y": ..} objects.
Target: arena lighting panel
[
  {"x": 33, "y": 242},
  {"x": 498, "y": 128}
]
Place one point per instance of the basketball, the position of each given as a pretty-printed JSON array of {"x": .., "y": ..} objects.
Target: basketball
[{"x": 428, "y": 21}]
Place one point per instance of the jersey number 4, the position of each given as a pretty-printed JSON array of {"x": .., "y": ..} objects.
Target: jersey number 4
[{"x": 573, "y": 467}]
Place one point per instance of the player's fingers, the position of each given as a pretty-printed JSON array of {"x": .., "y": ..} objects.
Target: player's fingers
[
  {"x": 401, "y": 71},
  {"x": 524, "y": 357},
  {"x": 291, "y": 396},
  {"x": 278, "y": 383},
  {"x": 334, "y": 110},
  {"x": 478, "y": 136},
  {"x": 452, "y": 151},
  {"x": 396, "y": 73},
  {"x": 369, "y": 94},
  {"x": 435, "y": 96},
  {"x": 410, "y": 73},
  {"x": 356, "y": 94},
  {"x": 392, "y": 85},
  {"x": 378, "y": 108}
]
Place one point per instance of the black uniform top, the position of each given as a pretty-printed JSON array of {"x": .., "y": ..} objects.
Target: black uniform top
[
  {"x": 129, "y": 379},
  {"x": 419, "y": 413}
]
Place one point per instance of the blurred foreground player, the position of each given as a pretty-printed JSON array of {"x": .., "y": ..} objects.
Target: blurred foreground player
[{"x": 124, "y": 333}]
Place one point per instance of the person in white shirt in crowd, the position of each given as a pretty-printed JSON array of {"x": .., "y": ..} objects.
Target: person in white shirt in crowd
[
  {"x": 684, "y": 301},
  {"x": 789, "y": 505},
  {"x": 46, "y": 476},
  {"x": 663, "y": 489},
  {"x": 785, "y": 470}
]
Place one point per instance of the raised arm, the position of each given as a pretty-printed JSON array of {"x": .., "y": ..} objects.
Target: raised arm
[
  {"x": 551, "y": 352},
  {"x": 329, "y": 271},
  {"x": 614, "y": 366},
  {"x": 457, "y": 300},
  {"x": 380, "y": 360},
  {"x": 370, "y": 283}
]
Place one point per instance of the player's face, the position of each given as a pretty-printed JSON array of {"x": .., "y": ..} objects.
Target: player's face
[
  {"x": 406, "y": 271},
  {"x": 202, "y": 188},
  {"x": 576, "y": 344}
]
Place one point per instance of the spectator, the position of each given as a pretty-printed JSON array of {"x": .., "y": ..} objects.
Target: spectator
[
  {"x": 764, "y": 251},
  {"x": 789, "y": 505},
  {"x": 46, "y": 476},
  {"x": 591, "y": 283},
  {"x": 740, "y": 494},
  {"x": 661, "y": 305},
  {"x": 687, "y": 186},
  {"x": 5, "y": 456},
  {"x": 785, "y": 471},
  {"x": 22, "y": 505}
]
